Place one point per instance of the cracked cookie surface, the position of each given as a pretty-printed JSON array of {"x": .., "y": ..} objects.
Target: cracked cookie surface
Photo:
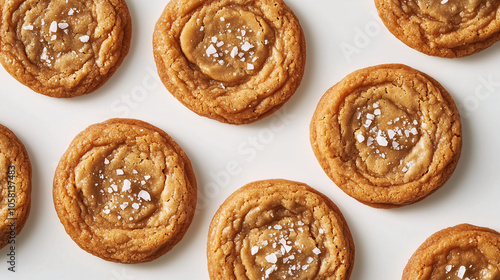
[
  {"x": 277, "y": 229},
  {"x": 63, "y": 48},
  {"x": 235, "y": 61},
  {"x": 387, "y": 135},
  {"x": 125, "y": 191},
  {"x": 461, "y": 252},
  {"x": 443, "y": 28},
  {"x": 15, "y": 186}
]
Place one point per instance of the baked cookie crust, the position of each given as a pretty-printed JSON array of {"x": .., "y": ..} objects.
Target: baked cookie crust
[
  {"x": 277, "y": 228},
  {"x": 235, "y": 61},
  {"x": 387, "y": 135},
  {"x": 15, "y": 186},
  {"x": 125, "y": 191},
  {"x": 461, "y": 252},
  {"x": 443, "y": 28},
  {"x": 63, "y": 48}
]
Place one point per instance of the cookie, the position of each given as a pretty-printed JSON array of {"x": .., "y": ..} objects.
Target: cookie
[
  {"x": 387, "y": 135},
  {"x": 460, "y": 252},
  {"x": 443, "y": 28},
  {"x": 277, "y": 229},
  {"x": 235, "y": 61},
  {"x": 63, "y": 48},
  {"x": 15, "y": 187},
  {"x": 125, "y": 191}
]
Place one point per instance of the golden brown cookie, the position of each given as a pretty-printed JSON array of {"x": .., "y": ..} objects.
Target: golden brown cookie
[
  {"x": 445, "y": 28},
  {"x": 15, "y": 187},
  {"x": 387, "y": 135},
  {"x": 235, "y": 61},
  {"x": 63, "y": 48},
  {"x": 464, "y": 252},
  {"x": 125, "y": 191},
  {"x": 277, "y": 229}
]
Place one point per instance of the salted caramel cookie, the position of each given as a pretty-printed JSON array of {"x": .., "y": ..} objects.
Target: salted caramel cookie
[
  {"x": 235, "y": 61},
  {"x": 15, "y": 187},
  {"x": 461, "y": 252},
  {"x": 387, "y": 135},
  {"x": 63, "y": 48},
  {"x": 441, "y": 27},
  {"x": 125, "y": 191},
  {"x": 277, "y": 229}
]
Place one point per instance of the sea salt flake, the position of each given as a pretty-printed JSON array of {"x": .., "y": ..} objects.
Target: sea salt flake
[
  {"x": 391, "y": 133},
  {"x": 381, "y": 140},
  {"x": 135, "y": 205},
  {"x": 461, "y": 272},
  {"x": 448, "y": 268},
  {"x": 63, "y": 25},
  {"x": 254, "y": 250},
  {"x": 246, "y": 46},
  {"x": 360, "y": 138},
  {"x": 370, "y": 116},
  {"x": 270, "y": 270},
  {"x": 126, "y": 185},
  {"x": 234, "y": 52},
  {"x": 144, "y": 195},
  {"x": 53, "y": 26},
  {"x": 444, "y": 1},
  {"x": 250, "y": 66},
  {"x": 119, "y": 172},
  {"x": 106, "y": 211},
  {"x": 106, "y": 161},
  {"x": 28, "y": 27},
  {"x": 375, "y": 105},
  {"x": 219, "y": 44},
  {"x": 124, "y": 205},
  {"x": 211, "y": 50},
  {"x": 316, "y": 251},
  {"x": 271, "y": 258},
  {"x": 377, "y": 112},
  {"x": 367, "y": 123},
  {"x": 84, "y": 38}
]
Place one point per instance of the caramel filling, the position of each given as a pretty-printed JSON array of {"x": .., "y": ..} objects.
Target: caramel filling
[
  {"x": 121, "y": 187},
  {"x": 56, "y": 34},
  {"x": 279, "y": 245},
  {"x": 462, "y": 264},
  {"x": 227, "y": 45},
  {"x": 453, "y": 11},
  {"x": 387, "y": 134}
]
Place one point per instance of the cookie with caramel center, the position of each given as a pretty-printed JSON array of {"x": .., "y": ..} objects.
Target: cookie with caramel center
[
  {"x": 63, "y": 48},
  {"x": 443, "y": 28},
  {"x": 277, "y": 229},
  {"x": 15, "y": 186},
  {"x": 460, "y": 252},
  {"x": 387, "y": 135},
  {"x": 235, "y": 61},
  {"x": 125, "y": 191}
]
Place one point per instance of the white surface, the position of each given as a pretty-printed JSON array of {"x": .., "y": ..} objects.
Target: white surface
[{"x": 342, "y": 36}]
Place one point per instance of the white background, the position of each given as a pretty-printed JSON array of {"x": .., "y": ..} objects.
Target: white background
[{"x": 342, "y": 36}]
